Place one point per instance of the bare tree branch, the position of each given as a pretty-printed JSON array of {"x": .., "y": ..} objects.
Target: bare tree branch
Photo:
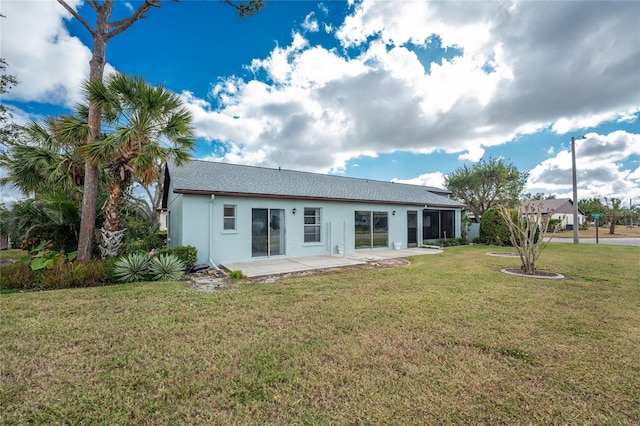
[
  {"x": 119, "y": 26},
  {"x": 77, "y": 16}
]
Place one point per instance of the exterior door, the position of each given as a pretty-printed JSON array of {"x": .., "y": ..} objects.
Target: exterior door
[
  {"x": 267, "y": 232},
  {"x": 412, "y": 228},
  {"x": 371, "y": 229}
]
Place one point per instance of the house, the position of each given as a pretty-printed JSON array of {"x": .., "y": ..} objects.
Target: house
[
  {"x": 235, "y": 213},
  {"x": 559, "y": 208}
]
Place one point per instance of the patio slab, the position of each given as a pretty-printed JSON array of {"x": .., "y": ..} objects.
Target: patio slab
[{"x": 281, "y": 265}]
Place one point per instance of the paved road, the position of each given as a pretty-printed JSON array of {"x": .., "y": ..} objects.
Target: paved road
[{"x": 610, "y": 241}]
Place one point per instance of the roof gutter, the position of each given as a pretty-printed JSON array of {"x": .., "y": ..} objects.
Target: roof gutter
[{"x": 304, "y": 197}]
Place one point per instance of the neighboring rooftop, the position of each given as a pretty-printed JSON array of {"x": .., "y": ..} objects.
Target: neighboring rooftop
[
  {"x": 556, "y": 205},
  {"x": 207, "y": 177}
]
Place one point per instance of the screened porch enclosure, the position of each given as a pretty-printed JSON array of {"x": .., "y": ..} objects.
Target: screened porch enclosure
[{"x": 438, "y": 224}]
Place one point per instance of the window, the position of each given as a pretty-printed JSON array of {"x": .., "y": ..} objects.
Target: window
[
  {"x": 311, "y": 225},
  {"x": 229, "y": 217}
]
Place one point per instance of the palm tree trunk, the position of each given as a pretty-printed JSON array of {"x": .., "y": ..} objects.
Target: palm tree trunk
[
  {"x": 112, "y": 231},
  {"x": 112, "y": 222}
]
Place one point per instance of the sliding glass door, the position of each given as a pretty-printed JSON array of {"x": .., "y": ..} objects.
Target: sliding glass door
[
  {"x": 371, "y": 229},
  {"x": 267, "y": 232}
]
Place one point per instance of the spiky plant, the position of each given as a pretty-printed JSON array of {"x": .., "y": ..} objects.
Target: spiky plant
[
  {"x": 132, "y": 267},
  {"x": 166, "y": 267}
]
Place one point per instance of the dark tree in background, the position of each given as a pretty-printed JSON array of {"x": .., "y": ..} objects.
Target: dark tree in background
[{"x": 487, "y": 184}]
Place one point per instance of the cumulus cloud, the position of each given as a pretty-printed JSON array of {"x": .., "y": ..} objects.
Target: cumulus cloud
[
  {"x": 49, "y": 63},
  {"x": 599, "y": 172},
  {"x": 411, "y": 76},
  {"x": 435, "y": 179},
  {"x": 520, "y": 69}
]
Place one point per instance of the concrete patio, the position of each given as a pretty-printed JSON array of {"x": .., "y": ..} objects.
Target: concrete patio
[{"x": 273, "y": 266}]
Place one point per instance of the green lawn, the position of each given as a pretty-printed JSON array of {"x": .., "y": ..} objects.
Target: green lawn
[{"x": 448, "y": 339}]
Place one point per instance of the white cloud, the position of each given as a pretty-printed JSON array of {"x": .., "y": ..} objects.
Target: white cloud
[
  {"x": 507, "y": 81},
  {"x": 599, "y": 169},
  {"x": 429, "y": 179},
  {"x": 518, "y": 69},
  {"x": 49, "y": 63},
  {"x": 310, "y": 23}
]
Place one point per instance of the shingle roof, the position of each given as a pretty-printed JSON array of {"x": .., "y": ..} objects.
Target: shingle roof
[
  {"x": 206, "y": 177},
  {"x": 557, "y": 205}
]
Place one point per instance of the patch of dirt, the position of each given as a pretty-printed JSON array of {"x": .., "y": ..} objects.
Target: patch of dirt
[
  {"x": 546, "y": 275},
  {"x": 209, "y": 283}
]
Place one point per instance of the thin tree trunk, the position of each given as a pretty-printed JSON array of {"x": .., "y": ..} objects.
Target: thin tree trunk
[{"x": 91, "y": 174}]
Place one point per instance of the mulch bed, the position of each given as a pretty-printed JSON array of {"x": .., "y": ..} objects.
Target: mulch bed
[
  {"x": 503, "y": 254},
  {"x": 537, "y": 274}
]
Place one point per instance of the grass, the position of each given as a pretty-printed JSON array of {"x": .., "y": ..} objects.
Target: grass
[
  {"x": 621, "y": 231},
  {"x": 445, "y": 340},
  {"x": 13, "y": 254}
]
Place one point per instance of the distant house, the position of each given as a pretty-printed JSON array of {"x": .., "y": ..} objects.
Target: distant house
[
  {"x": 558, "y": 208},
  {"x": 236, "y": 213}
]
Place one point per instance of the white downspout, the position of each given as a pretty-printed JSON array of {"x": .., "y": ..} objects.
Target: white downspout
[{"x": 211, "y": 232}]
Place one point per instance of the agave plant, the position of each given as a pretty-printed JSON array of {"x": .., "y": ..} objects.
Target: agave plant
[
  {"x": 166, "y": 267},
  {"x": 131, "y": 268}
]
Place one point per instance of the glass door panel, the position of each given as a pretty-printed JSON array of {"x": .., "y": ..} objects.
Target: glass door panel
[
  {"x": 267, "y": 232},
  {"x": 363, "y": 229},
  {"x": 276, "y": 232},
  {"x": 380, "y": 235},
  {"x": 260, "y": 232}
]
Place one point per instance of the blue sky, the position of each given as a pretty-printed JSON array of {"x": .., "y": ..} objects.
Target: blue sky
[{"x": 389, "y": 90}]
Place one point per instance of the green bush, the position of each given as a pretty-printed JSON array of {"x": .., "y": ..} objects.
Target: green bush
[
  {"x": 156, "y": 240},
  {"x": 18, "y": 275},
  {"x": 236, "y": 275},
  {"x": 455, "y": 242},
  {"x": 166, "y": 267},
  {"x": 187, "y": 254},
  {"x": 554, "y": 225},
  {"x": 494, "y": 230},
  {"x": 21, "y": 276},
  {"x": 132, "y": 267}
]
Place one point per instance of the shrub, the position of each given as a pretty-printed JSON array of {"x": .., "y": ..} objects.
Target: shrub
[
  {"x": 187, "y": 254},
  {"x": 236, "y": 275},
  {"x": 455, "y": 242},
  {"x": 494, "y": 230},
  {"x": 156, "y": 240},
  {"x": 21, "y": 276},
  {"x": 554, "y": 225},
  {"x": 166, "y": 267},
  {"x": 18, "y": 275},
  {"x": 132, "y": 267}
]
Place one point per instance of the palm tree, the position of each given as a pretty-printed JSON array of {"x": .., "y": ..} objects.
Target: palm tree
[
  {"x": 51, "y": 216},
  {"x": 45, "y": 161},
  {"x": 143, "y": 125}
]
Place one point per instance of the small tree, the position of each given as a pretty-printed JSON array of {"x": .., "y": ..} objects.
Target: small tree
[
  {"x": 528, "y": 231},
  {"x": 486, "y": 184},
  {"x": 613, "y": 209}
]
